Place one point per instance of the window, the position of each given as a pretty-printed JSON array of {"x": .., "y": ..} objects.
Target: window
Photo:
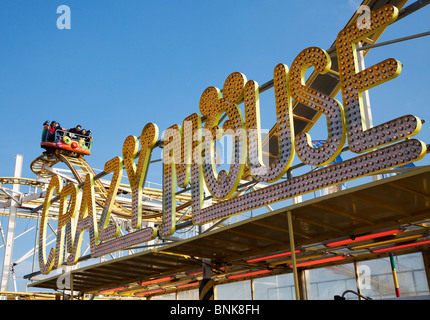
[
  {"x": 234, "y": 291},
  {"x": 280, "y": 287},
  {"x": 325, "y": 283},
  {"x": 410, "y": 275}
]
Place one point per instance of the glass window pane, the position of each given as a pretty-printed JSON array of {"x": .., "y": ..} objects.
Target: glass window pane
[
  {"x": 410, "y": 275},
  {"x": 325, "y": 283},
  {"x": 280, "y": 287},
  {"x": 189, "y": 295},
  {"x": 234, "y": 291},
  {"x": 377, "y": 282},
  {"x": 169, "y": 296}
]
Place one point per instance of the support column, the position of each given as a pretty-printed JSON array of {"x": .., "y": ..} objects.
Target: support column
[
  {"x": 357, "y": 280},
  {"x": 71, "y": 286},
  {"x": 7, "y": 261},
  {"x": 293, "y": 255},
  {"x": 367, "y": 111},
  {"x": 206, "y": 287},
  {"x": 304, "y": 286},
  {"x": 426, "y": 260}
]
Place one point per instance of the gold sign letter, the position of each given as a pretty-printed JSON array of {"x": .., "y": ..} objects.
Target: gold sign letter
[
  {"x": 87, "y": 220},
  {"x": 177, "y": 158},
  {"x": 284, "y": 117},
  {"x": 223, "y": 184},
  {"x": 137, "y": 174},
  {"x": 46, "y": 264},
  {"x": 354, "y": 82},
  {"x": 318, "y": 101},
  {"x": 110, "y": 231}
]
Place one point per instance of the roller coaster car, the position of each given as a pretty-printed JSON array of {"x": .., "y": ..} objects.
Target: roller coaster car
[{"x": 66, "y": 141}]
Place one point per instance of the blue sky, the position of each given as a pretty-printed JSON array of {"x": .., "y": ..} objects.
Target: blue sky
[{"x": 126, "y": 63}]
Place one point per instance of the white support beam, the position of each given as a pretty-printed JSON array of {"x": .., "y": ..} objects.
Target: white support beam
[{"x": 7, "y": 260}]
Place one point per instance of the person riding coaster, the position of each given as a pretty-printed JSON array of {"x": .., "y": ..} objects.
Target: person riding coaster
[{"x": 73, "y": 140}]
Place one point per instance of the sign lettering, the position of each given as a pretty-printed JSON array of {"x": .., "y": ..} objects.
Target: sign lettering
[{"x": 189, "y": 150}]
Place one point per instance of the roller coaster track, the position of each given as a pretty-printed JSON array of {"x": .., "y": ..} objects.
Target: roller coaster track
[
  {"x": 42, "y": 166},
  {"x": 80, "y": 168},
  {"x": 76, "y": 163},
  {"x": 38, "y": 166}
]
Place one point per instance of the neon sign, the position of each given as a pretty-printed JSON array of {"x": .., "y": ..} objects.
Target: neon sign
[{"x": 188, "y": 151}]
